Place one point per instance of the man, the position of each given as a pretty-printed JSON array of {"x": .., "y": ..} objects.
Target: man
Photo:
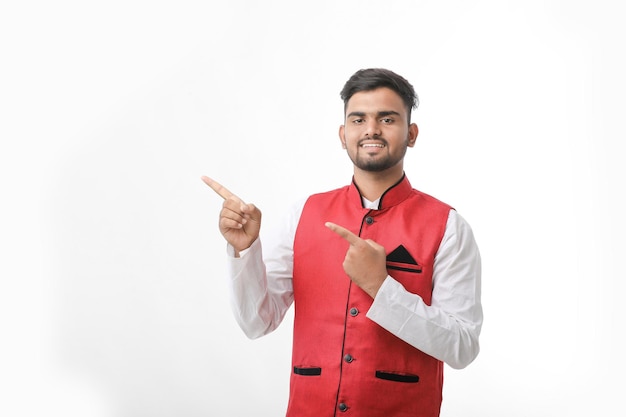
[{"x": 385, "y": 279}]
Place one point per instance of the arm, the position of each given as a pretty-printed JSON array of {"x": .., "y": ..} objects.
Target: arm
[
  {"x": 254, "y": 299},
  {"x": 449, "y": 328},
  {"x": 261, "y": 288}
]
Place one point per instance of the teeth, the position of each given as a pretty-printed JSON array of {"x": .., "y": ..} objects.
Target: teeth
[{"x": 373, "y": 145}]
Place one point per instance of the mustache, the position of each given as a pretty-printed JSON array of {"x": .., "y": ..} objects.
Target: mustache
[{"x": 375, "y": 138}]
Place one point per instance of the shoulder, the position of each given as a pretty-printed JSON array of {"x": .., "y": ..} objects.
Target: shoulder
[
  {"x": 429, "y": 199},
  {"x": 326, "y": 197}
]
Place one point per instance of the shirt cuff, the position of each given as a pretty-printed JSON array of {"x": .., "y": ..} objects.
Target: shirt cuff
[
  {"x": 380, "y": 307},
  {"x": 230, "y": 250}
]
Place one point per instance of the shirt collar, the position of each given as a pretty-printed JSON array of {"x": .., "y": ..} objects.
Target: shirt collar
[{"x": 393, "y": 196}]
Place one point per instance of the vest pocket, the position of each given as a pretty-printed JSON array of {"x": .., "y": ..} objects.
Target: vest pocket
[
  {"x": 307, "y": 371},
  {"x": 397, "y": 377}
]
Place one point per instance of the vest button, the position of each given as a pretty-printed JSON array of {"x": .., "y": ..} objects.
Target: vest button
[
  {"x": 343, "y": 407},
  {"x": 354, "y": 311},
  {"x": 348, "y": 358},
  {"x": 369, "y": 220}
]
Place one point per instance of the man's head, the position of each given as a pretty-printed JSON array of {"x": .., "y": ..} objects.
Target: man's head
[
  {"x": 377, "y": 130},
  {"x": 374, "y": 78}
]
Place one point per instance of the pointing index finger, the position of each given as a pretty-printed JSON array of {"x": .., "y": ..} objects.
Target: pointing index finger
[
  {"x": 344, "y": 233},
  {"x": 219, "y": 188}
]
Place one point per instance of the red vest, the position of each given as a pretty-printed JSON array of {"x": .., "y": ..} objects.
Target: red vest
[{"x": 344, "y": 363}]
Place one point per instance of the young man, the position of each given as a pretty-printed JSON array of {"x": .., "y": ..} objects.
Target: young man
[{"x": 385, "y": 279}]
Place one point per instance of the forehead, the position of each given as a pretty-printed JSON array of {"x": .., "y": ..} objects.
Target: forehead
[{"x": 380, "y": 99}]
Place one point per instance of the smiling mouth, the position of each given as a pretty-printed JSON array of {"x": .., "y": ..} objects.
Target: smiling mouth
[{"x": 373, "y": 145}]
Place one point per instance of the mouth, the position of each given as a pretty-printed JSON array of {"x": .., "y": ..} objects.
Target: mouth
[{"x": 370, "y": 144}]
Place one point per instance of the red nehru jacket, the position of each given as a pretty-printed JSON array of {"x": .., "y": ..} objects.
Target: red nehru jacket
[{"x": 344, "y": 363}]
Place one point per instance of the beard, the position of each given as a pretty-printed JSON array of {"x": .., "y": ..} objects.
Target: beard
[{"x": 379, "y": 163}]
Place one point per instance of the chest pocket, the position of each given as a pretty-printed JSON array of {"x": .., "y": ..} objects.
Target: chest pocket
[
  {"x": 413, "y": 275},
  {"x": 401, "y": 260}
]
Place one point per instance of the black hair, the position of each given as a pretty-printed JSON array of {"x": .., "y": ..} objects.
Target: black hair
[{"x": 373, "y": 78}]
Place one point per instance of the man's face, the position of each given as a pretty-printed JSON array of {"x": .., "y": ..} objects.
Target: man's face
[{"x": 376, "y": 133}]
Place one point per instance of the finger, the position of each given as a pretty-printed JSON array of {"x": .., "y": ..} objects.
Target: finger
[
  {"x": 219, "y": 188},
  {"x": 241, "y": 209},
  {"x": 344, "y": 233},
  {"x": 233, "y": 213},
  {"x": 228, "y": 223},
  {"x": 250, "y": 211}
]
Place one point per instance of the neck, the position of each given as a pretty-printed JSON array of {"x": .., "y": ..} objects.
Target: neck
[{"x": 372, "y": 185}]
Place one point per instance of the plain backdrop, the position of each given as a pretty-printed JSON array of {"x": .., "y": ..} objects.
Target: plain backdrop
[{"x": 113, "y": 300}]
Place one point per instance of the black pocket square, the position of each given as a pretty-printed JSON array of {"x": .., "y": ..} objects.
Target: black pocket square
[{"x": 400, "y": 259}]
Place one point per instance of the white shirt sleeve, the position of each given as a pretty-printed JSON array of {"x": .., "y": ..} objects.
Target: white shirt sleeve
[
  {"x": 262, "y": 289},
  {"x": 448, "y": 329}
]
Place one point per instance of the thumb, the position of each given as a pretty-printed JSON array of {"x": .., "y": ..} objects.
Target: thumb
[
  {"x": 374, "y": 244},
  {"x": 250, "y": 211}
]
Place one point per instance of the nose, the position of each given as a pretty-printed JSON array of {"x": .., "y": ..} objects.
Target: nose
[{"x": 372, "y": 128}]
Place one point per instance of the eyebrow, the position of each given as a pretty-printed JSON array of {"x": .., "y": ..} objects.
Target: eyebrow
[{"x": 379, "y": 114}]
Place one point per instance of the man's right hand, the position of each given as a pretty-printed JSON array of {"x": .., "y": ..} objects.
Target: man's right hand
[{"x": 239, "y": 223}]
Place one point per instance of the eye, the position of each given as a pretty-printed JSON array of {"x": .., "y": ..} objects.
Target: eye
[
  {"x": 386, "y": 120},
  {"x": 358, "y": 121}
]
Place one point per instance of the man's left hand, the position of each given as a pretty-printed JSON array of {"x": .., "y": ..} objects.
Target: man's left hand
[{"x": 365, "y": 261}]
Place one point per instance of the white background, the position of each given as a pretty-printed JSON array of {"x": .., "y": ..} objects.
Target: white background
[{"x": 112, "y": 298}]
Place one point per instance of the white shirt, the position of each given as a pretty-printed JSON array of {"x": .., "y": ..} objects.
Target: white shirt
[{"x": 448, "y": 329}]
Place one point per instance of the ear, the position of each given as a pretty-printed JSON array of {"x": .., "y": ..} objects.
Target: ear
[
  {"x": 412, "y": 137},
  {"x": 342, "y": 136}
]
